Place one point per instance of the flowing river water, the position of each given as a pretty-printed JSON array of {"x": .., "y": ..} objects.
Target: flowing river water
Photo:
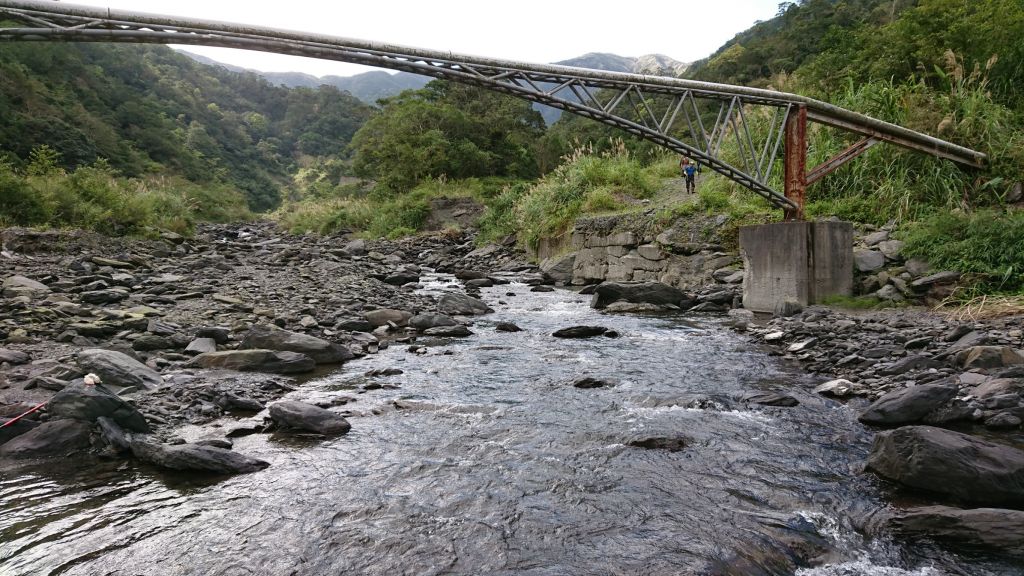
[{"x": 482, "y": 458}]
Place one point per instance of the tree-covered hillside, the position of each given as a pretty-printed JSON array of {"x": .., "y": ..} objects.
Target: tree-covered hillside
[{"x": 149, "y": 110}]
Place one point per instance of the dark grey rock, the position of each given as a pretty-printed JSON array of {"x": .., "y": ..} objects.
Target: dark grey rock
[
  {"x": 949, "y": 414},
  {"x": 201, "y": 346},
  {"x": 194, "y": 457},
  {"x": 429, "y": 320},
  {"x": 951, "y": 463},
  {"x": 108, "y": 296},
  {"x": 988, "y": 357},
  {"x": 457, "y": 331},
  {"x": 640, "y": 293},
  {"x": 542, "y": 289},
  {"x": 273, "y": 361},
  {"x": 659, "y": 443},
  {"x": 149, "y": 342},
  {"x": 787, "y": 308},
  {"x": 559, "y": 268},
  {"x": 302, "y": 416},
  {"x": 770, "y": 399},
  {"x": 88, "y": 403},
  {"x": 402, "y": 278},
  {"x": 53, "y": 438},
  {"x": 947, "y": 277},
  {"x": 354, "y": 325},
  {"x": 16, "y": 429},
  {"x": 908, "y": 405},
  {"x": 580, "y": 332},
  {"x": 384, "y": 316},
  {"x": 219, "y": 334},
  {"x": 113, "y": 435},
  {"x": 997, "y": 387},
  {"x": 231, "y": 401},
  {"x": 13, "y": 356},
  {"x": 908, "y": 363},
  {"x": 273, "y": 338},
  {"x": 118, "y": 369},
  {"x": 868, "y": 260},
  {"x": 994, "y": 529},
  {"x": 589, "y": 382},
  {"x": 479, "y": 283},
  {"x": 462, "y": 305},
  {"x": 1003, "y": 420},
  {"x": 507, "y": 327}
]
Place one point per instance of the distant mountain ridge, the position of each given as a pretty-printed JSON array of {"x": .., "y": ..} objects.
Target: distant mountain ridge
[
  {"x": 374, "y": 85},
  {"x": 653, "y": 64},
  {"x": 367, "y": 87}
]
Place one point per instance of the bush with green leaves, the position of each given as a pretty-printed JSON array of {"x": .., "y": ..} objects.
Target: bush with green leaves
[
  {"x": 987, "y": 244},
  {"x": 95, "y": 197}
]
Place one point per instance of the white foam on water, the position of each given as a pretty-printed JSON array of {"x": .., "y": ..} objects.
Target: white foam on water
[{"x": 865, "y": 567}]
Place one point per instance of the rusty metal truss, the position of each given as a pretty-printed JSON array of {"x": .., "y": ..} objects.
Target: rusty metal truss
[{"x": 688, "y": 117}]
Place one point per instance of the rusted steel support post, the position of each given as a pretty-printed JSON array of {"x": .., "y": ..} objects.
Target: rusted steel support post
[{"x": 796, "y": 161}]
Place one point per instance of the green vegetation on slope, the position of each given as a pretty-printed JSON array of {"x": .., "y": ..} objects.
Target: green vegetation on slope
[
  {"x": 94, "y": 197},
  {"x": 148, "y": 110}
]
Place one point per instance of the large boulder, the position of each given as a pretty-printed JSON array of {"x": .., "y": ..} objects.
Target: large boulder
[
  {"x": 462, "y": 305},
  {"x": 194, "y": 457},
  {"x": 118, "y": 369},
  {"x": 458, "y": 331},
  {"x": 13, "y": 356},
  {"x": 640, "y": 293},
  {"x": 988, "y": 357},
  {"x": 868, "y": 260},
  {"x": 274, "y": 338},
  {"x": 273, "y": 361},
  {"x": 87, "y": 403},
  {"x": 302, "y": 416},
  {"x": 9, "y": 431},
  {"x": 908, "y": 405},
  {"x": 21, "y": 286},
  {"x": 53, "y": 438},
  {"x": 580, "y": 332},
  {"x": 383, "y": 316},
  {"x": 559, "y": 268},
  {"x": 951, "y": 463},
  {"x": 428, "y": 320},
  {"x": 991, "y": 528}
]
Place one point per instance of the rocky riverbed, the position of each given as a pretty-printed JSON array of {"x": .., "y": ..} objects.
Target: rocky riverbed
[
  {"x": 186, "y": 330},
  {"x": 128, "y": 341}
]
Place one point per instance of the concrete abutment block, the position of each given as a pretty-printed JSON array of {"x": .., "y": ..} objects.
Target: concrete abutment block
[{"x": 803, "y": 262}]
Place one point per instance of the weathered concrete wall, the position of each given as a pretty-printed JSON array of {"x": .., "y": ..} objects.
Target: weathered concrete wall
[
  {"x": 832, "y": 260},
  {"x": 803, "y": 262},
  {"x": 685, "y": 256}
]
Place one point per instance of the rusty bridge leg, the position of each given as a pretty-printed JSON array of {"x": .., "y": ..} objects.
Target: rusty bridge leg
[{"x": 796, "y": 161}]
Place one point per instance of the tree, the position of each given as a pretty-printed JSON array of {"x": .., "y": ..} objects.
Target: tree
[{"x": 447, "y": 130}]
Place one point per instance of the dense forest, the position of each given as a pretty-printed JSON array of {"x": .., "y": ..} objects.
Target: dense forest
[
  {"x": 99, "y": 134},
  {"x": 148, "y": 110}
]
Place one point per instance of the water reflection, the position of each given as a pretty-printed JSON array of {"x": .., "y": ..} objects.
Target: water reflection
[{"x": 481, "y": 458}]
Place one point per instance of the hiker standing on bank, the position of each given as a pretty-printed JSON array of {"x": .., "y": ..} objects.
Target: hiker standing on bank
[{"x": 689, "y": 172}]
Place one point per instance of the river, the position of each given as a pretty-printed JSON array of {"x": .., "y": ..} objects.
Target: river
[{"x": 482, "y": 458}]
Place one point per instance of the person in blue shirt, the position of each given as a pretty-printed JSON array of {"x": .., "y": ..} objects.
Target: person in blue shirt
[{"x": 690, "y": 173}]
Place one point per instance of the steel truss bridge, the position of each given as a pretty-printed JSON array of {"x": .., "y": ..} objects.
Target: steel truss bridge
[{"x": 673, "y": 113}]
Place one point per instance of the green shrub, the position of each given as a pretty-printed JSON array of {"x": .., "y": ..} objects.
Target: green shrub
[
  {"x": 986, "y": 243},
  {"x": 95, "y": 197},
  {"x": 19, "y": 203}
]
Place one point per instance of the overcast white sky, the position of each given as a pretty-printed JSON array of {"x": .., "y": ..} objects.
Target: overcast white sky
[{"x": 529, "y": 30}]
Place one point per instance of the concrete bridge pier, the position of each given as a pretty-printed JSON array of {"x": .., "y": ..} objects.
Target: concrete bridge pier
[{"x": 804, "y": 262}]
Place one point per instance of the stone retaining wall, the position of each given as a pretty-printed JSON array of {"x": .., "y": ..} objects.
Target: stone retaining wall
[{"x": 625, "y": 249}]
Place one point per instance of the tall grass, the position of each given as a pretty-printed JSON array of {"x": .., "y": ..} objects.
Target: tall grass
[
  {"x": 987, "y": 244},
  {"x": 584, "y": 183},
  {"x": 95, "y": 197}
]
